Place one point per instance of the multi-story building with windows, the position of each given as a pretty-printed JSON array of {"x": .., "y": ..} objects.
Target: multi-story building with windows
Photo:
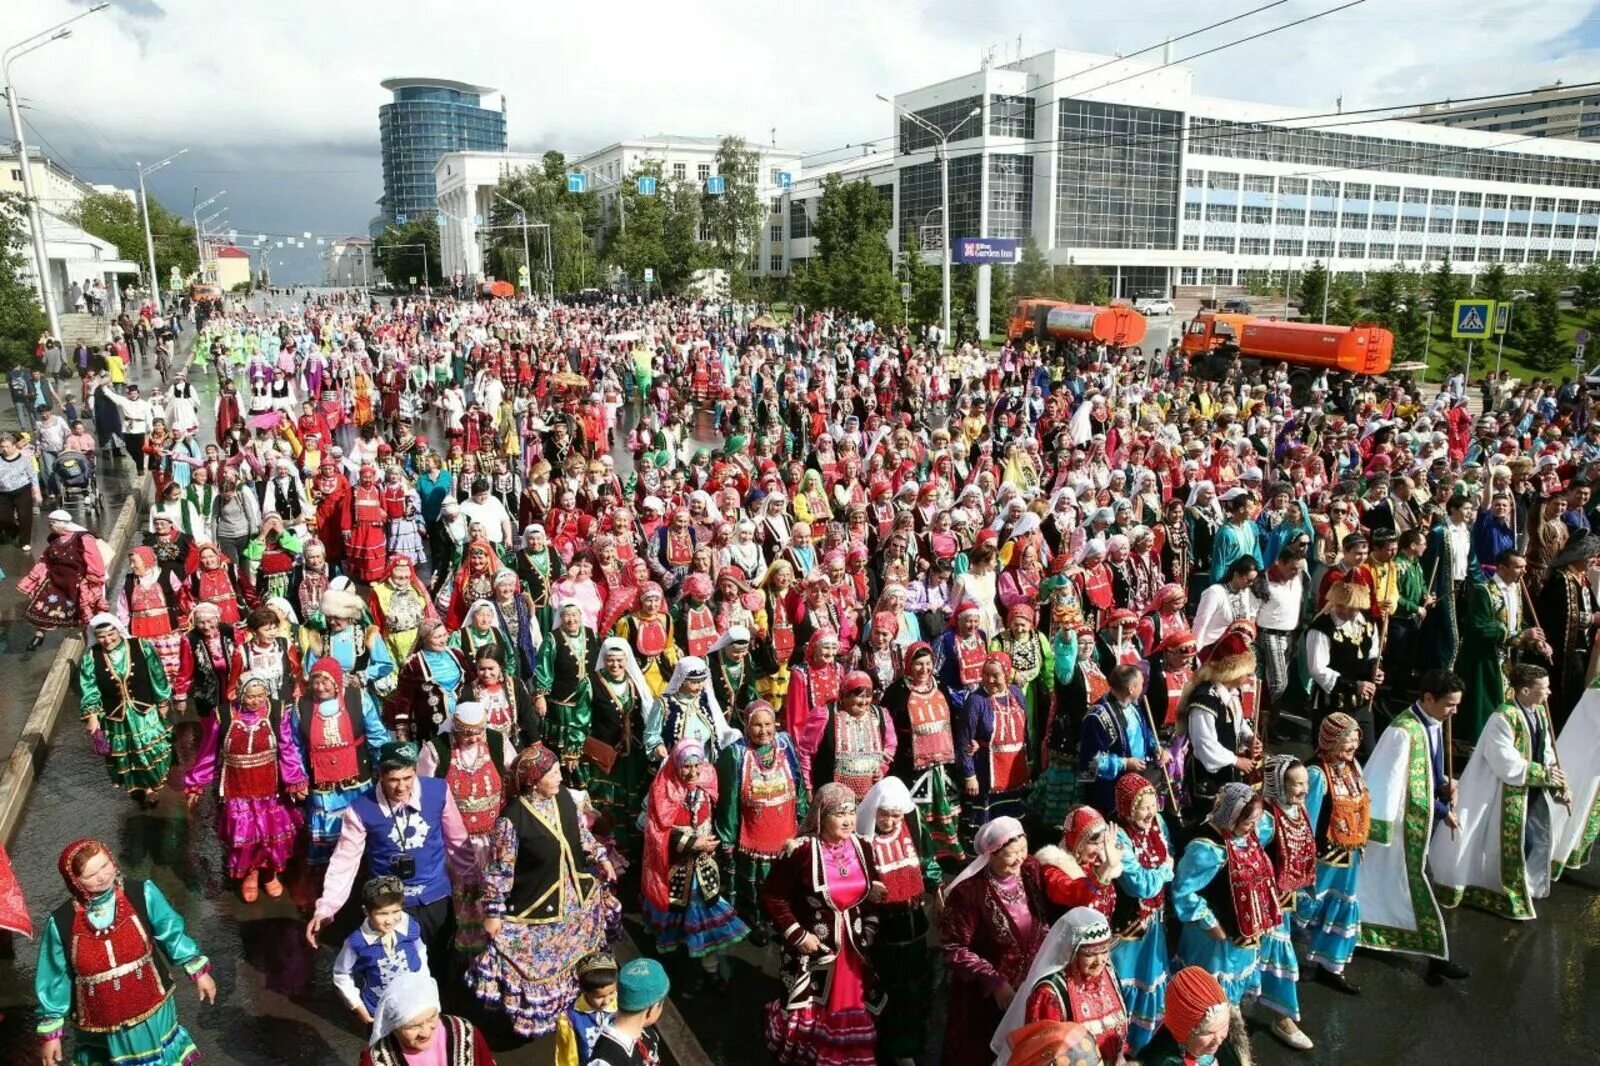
[
  {"x": 427, "y": 118},
  {"x": 1553, "y": 111},
  {"x": 1117, "y": 165}
]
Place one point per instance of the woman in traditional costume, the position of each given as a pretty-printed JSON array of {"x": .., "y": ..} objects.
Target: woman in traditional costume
[
  {"x": 1200, "y": 1025},
  {"x": 216, "y": 582},
  {"x": 508, "y": 706},
  {"x": 774, "y": 636},
  {"x": 66, "y": 587},
  {"x": 900, "y": 955},
  {"x": 925, "y": 753},
  {"x": 339, "y": 733},
  {"x": 520, "y": 622},
  {"x": 97, "y": 963},
  {"x": 429, "y": 686},
  {"x": 1224, "y": 893},
  {"x": 409, "y": 1029},
  {"x": 125, "y": 703},
  {"x": 813, "y": 693},
  {"x": 762, "y": 803},
  {"x": 1032, "y": 671},
  {"x": 684, "y": 904},
  {"x": 992, "y": 926},
  {"x": 1293, "y": 850},
  {"x": 543, "y": 910},
  {"x": 399, "y": 606},
  {"x": 687, "y": 710},
  {"x": 817, "y": 898},
  {"x": 858, "y": 740},
  {"x": 365, "y": 556},
  {"x": 991, "y": 743},
  {"x": 480, "y": 634},
  {"x": 620, "y": 704},
  {"x": 1071, "y": 979},
  {"x": 153, "y": 605},
  {"x": 1079, "y": 685},
  {"x": 472, "y": 583},
  {"x": 1140, "y": 956},
  {"x": 256, "y": 765},
  {"x": 330, "y": 493},
  {"x": 1327, "y": 916}
]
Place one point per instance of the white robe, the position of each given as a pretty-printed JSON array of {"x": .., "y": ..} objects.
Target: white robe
[
  {"x": 1579, "y": 749},
  {"x": 1473, "y": 859},
  {"x": 1399, "y": 911}
]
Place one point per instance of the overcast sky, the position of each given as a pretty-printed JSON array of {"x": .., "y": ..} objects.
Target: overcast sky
[{"x": 277, "y": 101}]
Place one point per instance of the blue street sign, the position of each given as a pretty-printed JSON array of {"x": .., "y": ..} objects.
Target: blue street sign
[
  {"x": 647, "y": 185},
  {"x": 986, "y": 250},
  {"x": 400, "y": 219},
  {"x": 577, "y": 182},
  {"x": 1473, "y": 319},
  {"x": 714, "y": 185},
  {"x": 785, "y": 179}
]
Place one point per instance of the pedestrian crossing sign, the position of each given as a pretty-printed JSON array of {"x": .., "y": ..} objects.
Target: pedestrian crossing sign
[{"x": 1474, "y": 319}]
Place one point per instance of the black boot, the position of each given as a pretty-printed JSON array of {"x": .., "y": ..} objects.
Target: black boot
[{"x": 1442, "y": 970}]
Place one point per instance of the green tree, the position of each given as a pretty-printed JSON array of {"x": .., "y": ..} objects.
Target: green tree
[
  {"x": 1544, "y": 347},
  {"x": 1410, "y": 326},
  {"x": 541, "y": 191},
  {"x": 660, "y": 233},
  {"x": 1034, "y": 276},
  {"x": 118, "y": 219},
  {"x": 1313, "y": 289},
  {"x": 1586, "y": 289},
  {"x": 1002, "y": 294},
  {"x": 853, "y": 268},
  {"x": 410, "y": 251},
  {"x": 1385, "y": 293},
  {"x": 927, "y": 284},
  {"x": 1494, "y": 284},
  {"x": 21, "y": 317},
  {"x": 735, "y": 218},
  {"x": 1344, "y": 304},
  {"x": 1445, "y": 287}
]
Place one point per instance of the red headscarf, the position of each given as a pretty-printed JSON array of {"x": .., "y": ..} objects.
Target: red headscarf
[
  {"x": 662, "y": 808},
  {"x": 85, "y": 847}
]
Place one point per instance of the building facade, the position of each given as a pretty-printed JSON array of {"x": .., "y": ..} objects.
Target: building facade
[
  {"x": 693, "y": 160},
  {"x": 1118, "y": 166},
  {"x": 466, "y": 182},
  {"x": 348, "y": 263},
  {"x": 59, "y": 189},
  {"x": 1553, "y": 111},
  {"x": 427, "y": 118}
]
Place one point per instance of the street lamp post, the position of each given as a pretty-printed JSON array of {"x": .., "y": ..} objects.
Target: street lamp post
[
  {"x": 944, "y": 194},
  {"x": 199, "y": 250},
  {"x": 522, "y": 214},
  {"x": 149, "y": 239},
  {"x": 41, "y": 258}
]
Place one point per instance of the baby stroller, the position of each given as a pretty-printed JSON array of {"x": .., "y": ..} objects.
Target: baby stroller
[{"x": 75, "y": 480}]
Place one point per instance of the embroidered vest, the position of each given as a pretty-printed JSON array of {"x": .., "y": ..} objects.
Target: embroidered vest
[
  {"x": 116, "y": 979},
  {"x": 250, "y": 759},
  {"x": 767, "y": 813},
  {"x": 478, "y": 793},
  {"x": 899, "y": 866},
  {"x": 1008, "y": 763},
  {"x": 702, "y": 629},
  {"x": 858, "y": 750},
  {"x": 1349, "y": 808},
  {"x": 932, "y": 743},
  {"x": 1294, "y": 852}
]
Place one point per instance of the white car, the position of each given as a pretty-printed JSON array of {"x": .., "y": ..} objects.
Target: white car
[
  {"x": 1154, "y": 308},
  {"x": 1521, "y": 294}
]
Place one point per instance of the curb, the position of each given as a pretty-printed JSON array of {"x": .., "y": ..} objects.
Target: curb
[{"x": 19, "y": 771}]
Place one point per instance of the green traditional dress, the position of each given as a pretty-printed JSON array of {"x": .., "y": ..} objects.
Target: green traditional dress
[
  {"x": 561, "y": 675},
  {"x": 129, "y": 691},
  {"x": 762, "y": 802},
  {"x": 617, "y": 720},
  {"x": 1486, "y": 638},
  {"x": 139, "y": 909}
]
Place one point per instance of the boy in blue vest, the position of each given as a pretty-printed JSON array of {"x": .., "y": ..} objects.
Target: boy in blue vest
[
  {"x": 578, "y": 1027},
  {"x": 386, "y": 945}
]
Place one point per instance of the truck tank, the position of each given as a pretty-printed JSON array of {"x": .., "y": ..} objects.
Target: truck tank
[{"x": 1120, "y": 326}]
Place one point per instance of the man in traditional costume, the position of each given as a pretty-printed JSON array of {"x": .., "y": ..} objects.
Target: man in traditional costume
[
  {"x": 1342, "y": 651},
  {"x": 1493, "y": 623},
  {"x": 1449, "y": 563},
  {"x": 1567, "y": 606},
  {"x": 1501, "y": 859},
  {"x": 1412, "y": 793}
]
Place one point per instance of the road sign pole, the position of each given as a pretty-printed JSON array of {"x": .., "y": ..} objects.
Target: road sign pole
[
  {"x": 1468, "y": 373},
  {"x": 1511, "y": 311}
]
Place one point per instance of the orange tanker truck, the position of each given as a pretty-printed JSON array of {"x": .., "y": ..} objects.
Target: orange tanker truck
[
  {"x": 1213, "y": 340},
  {"x": 1052, "y": 320}
]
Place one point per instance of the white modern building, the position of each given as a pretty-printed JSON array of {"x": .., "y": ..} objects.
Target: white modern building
[
  {"x": 1119, "y": 166},
  {"x": 466, "y": 182}
]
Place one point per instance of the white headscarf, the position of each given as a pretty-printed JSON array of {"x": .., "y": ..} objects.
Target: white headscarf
[
  {"x": 408, "y": 997},
  {"x": 889, "y": 794},
  {"x": 284, "y": 608},
  {"x": 990, "y": 839},
  {"x": 1078, "y": 927},
  {"x": 734, "y": 633},
  {"x": 104, "y": 619},
  {"x": 712, "y": 513},
  {"x": 694, "y": 664},
  {"x": 631, "y": 670}
]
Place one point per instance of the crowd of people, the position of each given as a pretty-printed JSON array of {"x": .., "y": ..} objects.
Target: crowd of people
[{"x": 820, "y": 640}]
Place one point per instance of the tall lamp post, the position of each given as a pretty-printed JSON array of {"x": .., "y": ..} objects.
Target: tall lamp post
[
  {"x": 199, "y": 249},
  {"x": 944, "y": 192},
  {"x": 522, "y": 214},
  {"x": 41, "y": 259},
  {"x": 144, "y": 206}
]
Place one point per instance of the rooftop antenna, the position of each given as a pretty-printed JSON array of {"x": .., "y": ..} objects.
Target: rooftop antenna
[
  {"x": 1166, "y": 53},
  {"x": 988, "y": 58},
  {"x": 1339, "y": 103},
  {"x": 774, "y": 136}
]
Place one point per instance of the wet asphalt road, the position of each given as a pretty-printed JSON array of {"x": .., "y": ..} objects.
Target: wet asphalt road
[{"x": 1530, "y": 998}]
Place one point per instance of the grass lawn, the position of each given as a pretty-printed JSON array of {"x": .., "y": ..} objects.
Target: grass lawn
[{"x": 1445, "y": 354}]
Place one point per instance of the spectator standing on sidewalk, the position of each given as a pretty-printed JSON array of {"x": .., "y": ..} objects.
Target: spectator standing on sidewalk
[
  {"x": 50, "y": 433},
  {"x": 19, "y": 492},
  {"x": 136, "y": 418}
]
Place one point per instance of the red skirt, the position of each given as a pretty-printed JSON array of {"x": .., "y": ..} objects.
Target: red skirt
[{"x": 365, "y": 559}]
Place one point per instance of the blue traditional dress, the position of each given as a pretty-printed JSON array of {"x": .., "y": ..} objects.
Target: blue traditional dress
[
  {"x": 1327, "y": 915},
  {"x": 1226, "y": 881},
  {"x": 132, "y": 1021},
  {"x": 1140, "y": 958},
  {"x": 1291, "y": 842}
]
